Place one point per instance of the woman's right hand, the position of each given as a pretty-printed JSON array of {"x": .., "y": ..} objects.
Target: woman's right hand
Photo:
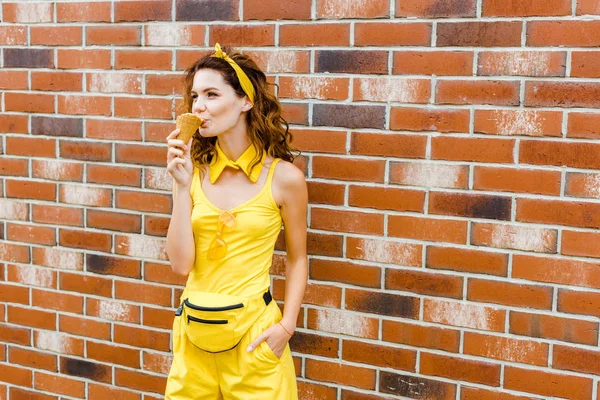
[{"x": 179, "y": 160}]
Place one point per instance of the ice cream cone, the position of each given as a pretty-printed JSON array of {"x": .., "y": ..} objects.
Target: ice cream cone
[{"x": 188, "y": 124}]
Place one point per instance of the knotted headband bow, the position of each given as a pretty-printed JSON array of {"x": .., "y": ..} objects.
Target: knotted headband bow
[{"x": 243, "y": 78}]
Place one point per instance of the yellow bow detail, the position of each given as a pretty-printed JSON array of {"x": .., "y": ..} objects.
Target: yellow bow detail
[{"x": 243, "y": 78}]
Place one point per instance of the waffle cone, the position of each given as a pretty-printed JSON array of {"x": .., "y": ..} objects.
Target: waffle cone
[{"x": 188, "y": 124}]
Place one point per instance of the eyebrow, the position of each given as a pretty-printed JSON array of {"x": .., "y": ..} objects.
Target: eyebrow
[{"x": 206, "y": 90}]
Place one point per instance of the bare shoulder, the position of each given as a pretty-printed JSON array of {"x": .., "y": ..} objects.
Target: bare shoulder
[{"x": 288, "y": 180}]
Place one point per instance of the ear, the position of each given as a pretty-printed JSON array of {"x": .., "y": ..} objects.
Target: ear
[{"x": 247, "y": 104}]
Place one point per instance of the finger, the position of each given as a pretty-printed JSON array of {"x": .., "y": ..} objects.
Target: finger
[
  {"x": 176, "y": 143},
  {"x": 173, "y": 152},
  {"x": 256, "y": 342},
  {"x": 173, "y": 134}
]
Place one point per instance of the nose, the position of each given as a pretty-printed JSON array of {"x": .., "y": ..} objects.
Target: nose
[{"x": 198, "y": 106}]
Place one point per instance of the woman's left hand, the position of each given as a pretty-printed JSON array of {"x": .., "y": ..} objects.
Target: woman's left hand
[{"x": 276, "y": 338}]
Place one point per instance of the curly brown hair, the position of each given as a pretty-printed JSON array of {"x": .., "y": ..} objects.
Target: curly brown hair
[{"x": 267, "y": 130}]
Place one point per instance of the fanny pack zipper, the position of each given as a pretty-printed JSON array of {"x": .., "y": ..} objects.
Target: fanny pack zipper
[
  {"x": 201, "y": 308},
  {"x": 207, "y": 321}
]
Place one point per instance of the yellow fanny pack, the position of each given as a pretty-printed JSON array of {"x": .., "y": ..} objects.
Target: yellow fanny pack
[{"x": 217, "y": 322}]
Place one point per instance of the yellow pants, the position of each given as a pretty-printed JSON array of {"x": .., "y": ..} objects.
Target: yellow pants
[{"x": 234, "y": 374}]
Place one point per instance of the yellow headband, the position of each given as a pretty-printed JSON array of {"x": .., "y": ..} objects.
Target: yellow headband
[{"x": 243, "y": 78}]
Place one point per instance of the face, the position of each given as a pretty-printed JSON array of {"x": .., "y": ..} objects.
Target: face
[{"x": 217, "y": 103}]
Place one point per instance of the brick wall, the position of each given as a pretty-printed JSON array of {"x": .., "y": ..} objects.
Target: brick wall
[{"x": 451, "y": 153}]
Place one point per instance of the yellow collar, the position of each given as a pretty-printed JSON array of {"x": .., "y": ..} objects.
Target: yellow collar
[{"x": 221, "y": 161}]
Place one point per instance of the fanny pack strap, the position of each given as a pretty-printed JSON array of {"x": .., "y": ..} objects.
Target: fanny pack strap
[{"x": 267, "y": 297}]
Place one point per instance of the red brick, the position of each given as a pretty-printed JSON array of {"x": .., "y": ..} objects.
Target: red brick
[
  {"x": 86, "y": 284},
  {"x": 519, "y": 122},
  {"x": 394, "y": 145},
  {"x": 557, "y": 270},
  {"x": 13, "y": 35},
  {"x": 582, "y": 185},
  {"x": 32, "y": 359},
  {"x": 114, "y": 129},
  {"x": 24, "y": 146},
  {"x": 164, "y": 84},
  {"x": 143, "y": 108},
  {"x": 341, "y": 9},
  {"x": 510, "y": 294},
  {"x": 143, "y": 59},
  {"x": 352, "y": 62},
  {"x": 31, "y": 190},
  {"x": 467, "y": 260},
  {"x": 460, "y": 369},
  {"x": 514, "y": 237},
  {"x": 398, "y": 33},
  {"x": 428, "y": 229},
  {"x": 435, "y": 8},
  {"x": 59, "y": 384},
  {"x": 87, "y": 58},
  {"x": 506, "y": 349},
  {"x": 280, "y": 61},
  {"x": 470, "y": 205},
  {"x": 462, "y": 314},
  {"x": 395, "y": 89},
  {"x": 141, "y": 337},
  {"x": 345, "y": 272},
  {"x": 381, "y": 356},
  {"x": 29, "y": 102},
  {"x": 314, "y": 35},
  {"x": 85, "y": 240},
  {"x": 579, "y": 302},
  {"x": 563, "y": 33},
  {"x": 431, "y": 337},
  {"x": 386, "y": 198},
  {"x": 31, "y": 234},
  {"x": 143, "y": 293},
  {"x": 33, "y": 318},
  {"x": 113, "y": 35},
  {"x": 583, "y": 125},
  {"x": 479, "y": 34},
  {"x": 14, "y": 124},
  {"x": 571, "y": 154},
  {"x": 153, "y": 10},
  {"x": 468, "y": 393},
  {"x": 55, "y": 35},
  {"x": 583, "y": 244},
  {"x": 84, "y": 105},
  {"x": 101, "y": 392},
  {"x": 114, "y": 83},
  {"x": 321, "y": 392},
  {"x": 114, "y": 175},
  {"x": 275, "y": 10},
  {"x": 381, "y": 251},
  {"x": 14, "y": 167},
  {"x": 16, "y": 375},
  {"x": 247, "y": 35},
  {"x": 307, "y": 87},
  {"x": 140, "y": 381},
  {"x": 578, "y": 360},
  {"x": 441, "y": 63},
  {"x": 173, "y": 35},
  {"x": 584, "y": 64},
  {"x": 472, "y": 149},
  {"x": 83, "y": 12},
  {"x": 518, "y": 180},
  {"x": 326, "y": 193},
  {"x": 14, "y": 80},
  {"x": 13, "y": 334},
  {"x": 57, "y": 301},
  {"x": 113, "y": 354},
  {"x": 553, "y": 327},
  {"x": 478, "y": 92},
  {"x": 575, "y": 214},
  {"x": 532, "y": 8},
  {"x": 340, "y": 373},
  {"x": 588, "y": 7},
  {"x": 85, "y": 327},
  {"x": 20, "y": 394},
  {"x": 429, "y": 119},
  {"x": 346, "y": 221},
  {"x": 319, "y": 141},
  {"x": 426, "y": 283},
  {"x": 547, "y": 383},
  {"x": 562, "y": 94},
  {"x": 429, "y": 174}
]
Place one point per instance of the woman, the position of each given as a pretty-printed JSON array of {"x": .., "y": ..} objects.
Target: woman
[{"x": 233, "y": 187}]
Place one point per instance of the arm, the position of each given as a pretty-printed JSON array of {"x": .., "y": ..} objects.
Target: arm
[
  {"x": 294, "y": 209},
  {"x": 181, "y": 248},
  {"x": 180, "y": 238}
]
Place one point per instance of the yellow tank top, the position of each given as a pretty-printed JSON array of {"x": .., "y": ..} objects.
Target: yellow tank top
[{"x": 244, "y": 271}]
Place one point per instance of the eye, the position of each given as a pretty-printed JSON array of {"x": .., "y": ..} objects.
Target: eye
[
  {"x": 194, "y": 96},
  {"x": 212, "y": 94}
]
